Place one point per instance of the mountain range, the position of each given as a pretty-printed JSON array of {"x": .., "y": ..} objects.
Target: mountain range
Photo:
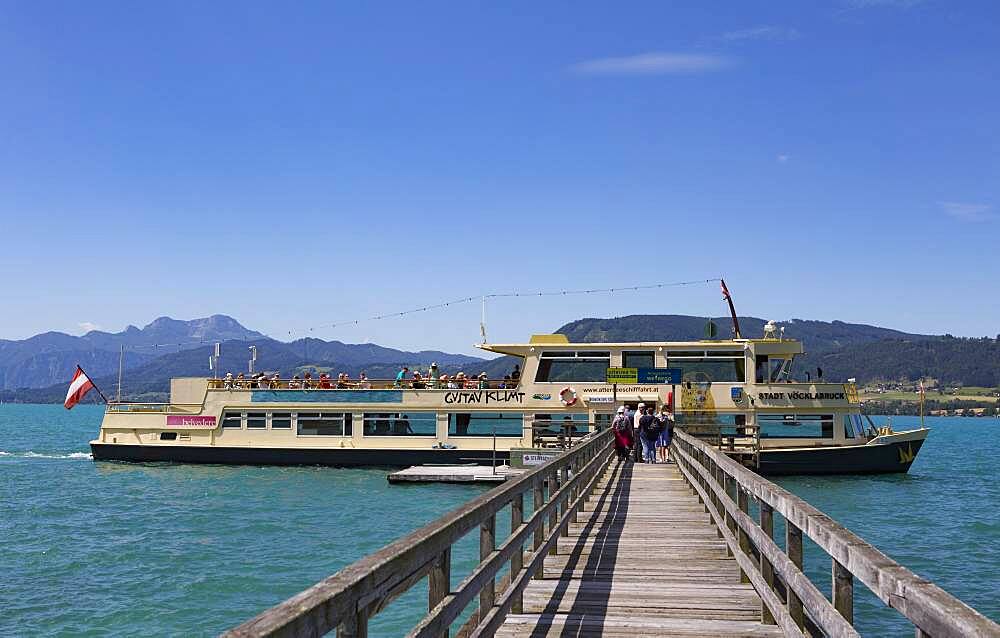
[{"x": 37, "y": 369}]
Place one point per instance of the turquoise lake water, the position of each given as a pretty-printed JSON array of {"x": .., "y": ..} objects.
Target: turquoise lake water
[{"x": 184, "y": 550}]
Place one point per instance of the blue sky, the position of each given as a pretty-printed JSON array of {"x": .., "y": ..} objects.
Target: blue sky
[{"x": 294, "y": 166}]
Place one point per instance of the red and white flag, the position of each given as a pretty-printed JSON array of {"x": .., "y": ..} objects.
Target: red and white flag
[
  {"x": 725, "y": 291},
  {"x": 78, "y": 388}
]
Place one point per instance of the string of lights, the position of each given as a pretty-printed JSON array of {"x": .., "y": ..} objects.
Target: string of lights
[
  {"x": 447, "y": 304},
  {"x": 497, "y": 295}
]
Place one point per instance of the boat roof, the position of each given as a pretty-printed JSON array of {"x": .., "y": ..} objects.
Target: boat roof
[{"x": 559, "y": 341}]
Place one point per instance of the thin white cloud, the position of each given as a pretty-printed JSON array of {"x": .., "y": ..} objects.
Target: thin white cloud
[
  {"x": 867, "y": 4},
  {"x": 967, "y": 212},
  {"x": 653, "y": 64},
  {"x": 783, "y": 158},
  {"x": 87, "y": 326},
  {"x": 765, "y": 32}
]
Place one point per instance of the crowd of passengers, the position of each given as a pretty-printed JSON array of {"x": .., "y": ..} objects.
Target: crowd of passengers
[
  {"x": 404, "y": 379},
  {"x": 642, "y": 436}
]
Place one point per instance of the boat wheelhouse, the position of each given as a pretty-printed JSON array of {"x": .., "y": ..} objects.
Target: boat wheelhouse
[{"x": 738, "y": 393}]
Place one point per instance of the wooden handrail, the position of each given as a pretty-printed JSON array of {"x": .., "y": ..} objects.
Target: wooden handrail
[
  {"x": 346, "y": 600},
  {"x": 933, "y": 611}
]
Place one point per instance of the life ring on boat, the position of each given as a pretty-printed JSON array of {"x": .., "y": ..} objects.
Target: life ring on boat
[{"x": 568, "y": 396}]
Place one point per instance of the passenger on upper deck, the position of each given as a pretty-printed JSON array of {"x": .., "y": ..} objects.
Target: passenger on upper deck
[
  {"x": 432, "y": 376},
  {"x": 448, "y": 382},
  {"x": 418, "y": 382},
  {"x": 295, "y": 383},
  {"x": 324, "y": 380},
  {"x": 262, "y": 381},
  {"x": 400, "y": 377},
  {"x": 484, "y": 382},
  {"x": 276, "y": 381},
  {"x": 515, "y": 374},
  {"x": 227, "y": 381},
  {"x": 343, "y": 381},
  {"x": 241, "y": 381},
  {"x": 506, "y": 383},
  {"x": 460, "y": 380},
  {"x": 363, "y": 382}
]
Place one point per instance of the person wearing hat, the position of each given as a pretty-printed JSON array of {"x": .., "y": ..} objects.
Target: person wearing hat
[
  {"x": 432, "y": 376},
  {"x": 483, "y": 381},
  {"x": 636, "y": 440},
  {"x": 666, "y": 420},
  {"x": 622, "y": 429}
]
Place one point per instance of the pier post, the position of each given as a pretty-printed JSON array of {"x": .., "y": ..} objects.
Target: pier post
[
  {"x": 356, "y": 626},
  {"x": 538, "y": 502},
  {"x": 554, "y": 516},
  {"x": 487, "y": 545},
  {"x": 730, "y": 521},
  {"x": 564, "y": 503},
  {"x": 843, "y": 591},
  {"x": 743, "y": 502},
  {"x": 766, "y": 569},
  {"x": 793, "y": 547},
  {"x": 439, "y": 582},
  {"x": 517, "y": 559}
]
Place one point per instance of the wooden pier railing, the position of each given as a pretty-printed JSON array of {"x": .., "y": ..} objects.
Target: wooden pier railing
[
  {"x": 346, "y": 601},
  {"x": 558, "y": 491},
  {"x": 789, "y": 598}
]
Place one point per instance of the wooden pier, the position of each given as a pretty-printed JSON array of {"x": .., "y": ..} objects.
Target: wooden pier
[
  {"x": 643, "y": 559},
  {"x": 600, "y": 548}
]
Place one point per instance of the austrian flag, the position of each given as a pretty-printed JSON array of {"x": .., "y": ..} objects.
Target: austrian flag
[{"x": 78, "y": 388}]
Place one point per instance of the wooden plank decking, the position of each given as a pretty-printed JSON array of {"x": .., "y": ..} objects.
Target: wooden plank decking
[{"x": 644, "y": 559}]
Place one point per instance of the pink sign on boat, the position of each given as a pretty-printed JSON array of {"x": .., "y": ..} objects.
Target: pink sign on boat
[{"x": 184, "y": 421}]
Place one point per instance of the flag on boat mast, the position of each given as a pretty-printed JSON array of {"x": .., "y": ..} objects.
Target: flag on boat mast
[{"x": 79, "y": 387}]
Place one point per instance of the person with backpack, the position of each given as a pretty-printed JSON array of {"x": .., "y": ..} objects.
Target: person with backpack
[
  {"x": 623, "y": 434},
  {"x": 649, "y": 430},
  {"x": 634, "y": 417},
  {"x": 666, "y": 433}
]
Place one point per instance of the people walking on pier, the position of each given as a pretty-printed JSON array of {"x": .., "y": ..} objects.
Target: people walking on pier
[
  {"x": 666, "y": 420},
  {"x": 623, "y": 434},
  {"x": 649, "y": 430},
  {"x": 636, "y": 439}
]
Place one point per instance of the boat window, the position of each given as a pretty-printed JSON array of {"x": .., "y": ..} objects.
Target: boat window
[
  {"x": 485, "y": 424},
  {"x": 711, "y": 424},
  {"x": 859, "y": 427},
  {"x": 232, "y": 420},
  {"x": 722, "y": 371},
  {"x": 400, "y": 424},
  {"x": 778, "y": 369},
  {"x": 603, "y": 421},
  {"x": 256, "y": 420},
  {"x": 795, "y": 426},
  {"x": 556, "y": 424},
  {"x": 324, "y": 423},
  {"x": 848, "y": 427},
  {"x": 564, "y": 367},
  {"x": 281, "y": 420},
  {"x": 638, "y": 359}
]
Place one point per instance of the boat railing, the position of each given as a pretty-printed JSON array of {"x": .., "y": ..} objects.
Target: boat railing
[
  {"x": 347, "y": 600},
  {"x": 153, "y": 408},
  {"x": 731, "y": 493},
  {"x": 354, "y": 384}
]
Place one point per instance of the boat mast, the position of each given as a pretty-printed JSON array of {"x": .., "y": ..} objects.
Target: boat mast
[
  {"x": 482, "y": 321},
  {"x": 121, "y": 364}
]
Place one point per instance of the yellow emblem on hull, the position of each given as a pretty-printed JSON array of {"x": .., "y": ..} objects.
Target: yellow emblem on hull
[{"x": 907, "y": 455}]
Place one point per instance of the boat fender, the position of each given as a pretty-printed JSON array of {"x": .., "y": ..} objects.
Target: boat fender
[{"x": 568, "y": 396}]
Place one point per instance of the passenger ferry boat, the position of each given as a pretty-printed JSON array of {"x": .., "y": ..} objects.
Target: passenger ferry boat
[{"x": 735, "y": 392}]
